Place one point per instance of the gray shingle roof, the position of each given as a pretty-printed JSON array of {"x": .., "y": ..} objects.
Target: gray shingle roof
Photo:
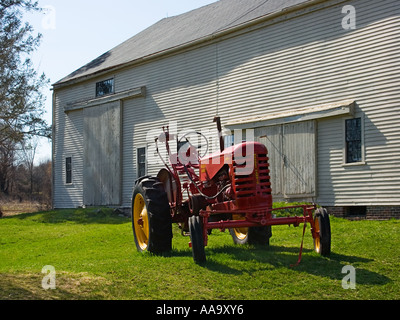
[{"x": 179, "y": 30}]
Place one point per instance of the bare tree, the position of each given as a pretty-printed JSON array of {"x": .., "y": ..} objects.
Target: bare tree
[
  {"x": 21, "y": 98},
  {"x": 28, "y": 153},
  {"x": 7, "y": 158},
  {"x": 42, "y": 183}
]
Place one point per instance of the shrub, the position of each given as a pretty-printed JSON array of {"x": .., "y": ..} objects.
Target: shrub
[{"x": 288, "y": 212}]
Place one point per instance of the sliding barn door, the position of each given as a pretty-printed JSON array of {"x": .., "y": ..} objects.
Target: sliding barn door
[
  {"x": 299, "y": 157},
  {"x": 292, "y": 153},
  {"x": 102, "y": 155}
]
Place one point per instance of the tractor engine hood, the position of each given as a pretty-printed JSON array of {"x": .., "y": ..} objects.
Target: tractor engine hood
[{"x": 243, "y": 154}]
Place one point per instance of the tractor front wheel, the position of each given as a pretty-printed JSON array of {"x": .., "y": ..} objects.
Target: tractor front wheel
[
  {"x": 252, "y": 236},
  {"x": 322, "y": 243},
  {"x": 151, "y": 217},
  {"x": 197, "y": 239}
]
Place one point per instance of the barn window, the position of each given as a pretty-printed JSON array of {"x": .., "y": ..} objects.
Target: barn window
[
  {"x": 353, "y": 140},
  {"x": 104, "y": 87},
  {"x": 141, "y": 162},
  {"x": 68, "y": 170},
  {"x": 229, "y": 140}
]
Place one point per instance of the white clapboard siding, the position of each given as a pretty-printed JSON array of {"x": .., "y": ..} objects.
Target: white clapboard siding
[
  {"x": 317, "y": 62},
  {"x": 173, "y": 97},
  {"x": 305, "y": 61},
  {"x": 68, "y": 130},
  {"x": 66, "y": 196}
]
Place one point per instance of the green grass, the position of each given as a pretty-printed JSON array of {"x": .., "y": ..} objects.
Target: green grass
[{"x": 95, "y": 258}]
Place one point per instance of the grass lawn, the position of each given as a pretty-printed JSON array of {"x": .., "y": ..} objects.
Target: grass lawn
[{"x": 95, "y": 258}]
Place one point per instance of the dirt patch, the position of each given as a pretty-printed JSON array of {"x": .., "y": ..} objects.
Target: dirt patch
[
  {"x": 82, "y": 286},
  {"x": 9, "y": 209}
]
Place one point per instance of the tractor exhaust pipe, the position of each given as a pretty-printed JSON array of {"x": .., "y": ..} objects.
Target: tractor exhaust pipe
[{"x": 221, "y": 138}]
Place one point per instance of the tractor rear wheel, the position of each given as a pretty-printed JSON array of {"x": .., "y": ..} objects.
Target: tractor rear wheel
[
  {"x": 197, "y": 239},
  {"x": 322, "y": 244},
  {"x": 151, "y": 217},
  {"x": 253, "y": 236}
]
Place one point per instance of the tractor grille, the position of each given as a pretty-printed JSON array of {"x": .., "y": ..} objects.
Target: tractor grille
[{"x": 254, "y": 183}]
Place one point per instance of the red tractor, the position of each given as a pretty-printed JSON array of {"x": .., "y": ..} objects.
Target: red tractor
[{"x": 229, "y": 189}]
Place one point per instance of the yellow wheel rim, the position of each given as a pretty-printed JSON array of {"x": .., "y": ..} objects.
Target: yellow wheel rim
[
  {"x": 141, "y": 222},
  {"x": 240, "y": 233},
  {"x": 317, "y": 241}
]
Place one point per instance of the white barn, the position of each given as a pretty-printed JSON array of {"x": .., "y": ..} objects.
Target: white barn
[{"x": 316, "y": 81}]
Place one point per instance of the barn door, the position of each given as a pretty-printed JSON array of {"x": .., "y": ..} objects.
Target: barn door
[
  {"x": 102, "y": 152},
  {"x": 292, "y": 156},
  {"x": 298, "y": 143}
]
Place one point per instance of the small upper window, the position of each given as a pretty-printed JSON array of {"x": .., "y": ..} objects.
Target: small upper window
[
  {"x": 353, "y": 141},
  {"x": 104, "y": 87}
]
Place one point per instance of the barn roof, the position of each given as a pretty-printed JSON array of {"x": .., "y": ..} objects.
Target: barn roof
[{"x": 175, "y": 32}]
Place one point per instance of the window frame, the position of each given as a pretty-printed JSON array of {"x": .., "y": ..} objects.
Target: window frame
[
  {"x": 138, "y": 163},
  {"x": 69, "y": 171},
  {"x": 229, "y": 140},
  {"x": 345, "y": 149},
  {"x": 105, "y": 94}
]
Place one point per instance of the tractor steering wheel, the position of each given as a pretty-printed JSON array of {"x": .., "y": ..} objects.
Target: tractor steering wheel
[{"x": 193, "y": 150}]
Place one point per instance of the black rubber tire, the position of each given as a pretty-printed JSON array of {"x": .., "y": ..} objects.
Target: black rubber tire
[
  {"x": 322, "y": 218},
  {"x": 159, "y": 216},
  {"x": 196, "y": 237},
  {"x": 255, "y": 236}
]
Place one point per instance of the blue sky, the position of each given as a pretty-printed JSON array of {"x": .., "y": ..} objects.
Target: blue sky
[{"x": 78, "y": 31}]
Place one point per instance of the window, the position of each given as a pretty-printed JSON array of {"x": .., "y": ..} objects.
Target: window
[
  {"x": 229, "y": 140},
  {"x": 141, "y": 162},
  {"x": 104, "y": 87},
  {"x": 353, "y": 141},
  {"x": 68, "y": 170},
  {"x": 355, "y": 211}
]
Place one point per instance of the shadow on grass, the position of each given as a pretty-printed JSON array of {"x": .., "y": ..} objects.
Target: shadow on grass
[
  {"x": 78, "y": 216},
  {"x": 222, "y": 260}
]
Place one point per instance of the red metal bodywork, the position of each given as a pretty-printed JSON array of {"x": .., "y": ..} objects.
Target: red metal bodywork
[
  {"x": 253, "y": 199},
  {"x": 249, "y": 172},
  {"x": 257, "y": 218},
  {"x": 246, "y": 201}
]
